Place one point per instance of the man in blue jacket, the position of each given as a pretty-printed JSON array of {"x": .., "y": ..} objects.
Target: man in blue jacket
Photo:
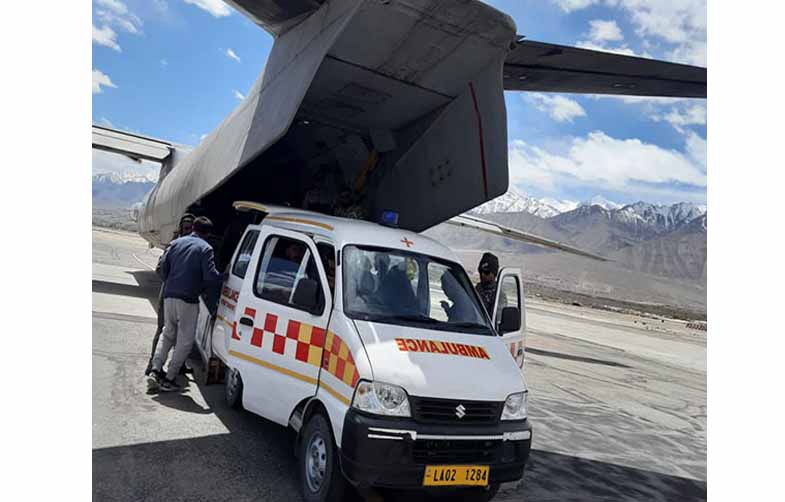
[{"x": 187, "y": 269}]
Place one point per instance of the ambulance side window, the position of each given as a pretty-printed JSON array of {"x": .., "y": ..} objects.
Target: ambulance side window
[
  {"x": 509, "y": 296},
  {"x": 284, "y": 262},
  {"x": 244, "y": 255}
]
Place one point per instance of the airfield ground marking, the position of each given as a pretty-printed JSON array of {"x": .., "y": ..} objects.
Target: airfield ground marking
[{"x": 140, "y": 261}]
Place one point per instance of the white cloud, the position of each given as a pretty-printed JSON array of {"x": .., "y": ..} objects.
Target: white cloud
[
  {"x": 560, "y": 108},
  {"x": 571, "y": 5},
  {"x": 231, "y": 55},
  {"x": 106, "y": 37},
  {"x": 238, "y": 95},
  {"x": 112, "y": 15},
  {"x": 680, "y": 23},
  {"x": 681, "y": 116},
  {"x": 101, "y": 79},
  {"x": 215, "y": 7},
  {"x": 606, "y": 163},
  {"x": 604, "y": 31},
  {"x": 113, "y": 5},
  {"x": 129, "y": 22},
  {"x": 693, "y": 52},
  {"x": 696, "y": 149},
  {"x": 105, "y": 122},
  {"x": 164, "y": 63}
]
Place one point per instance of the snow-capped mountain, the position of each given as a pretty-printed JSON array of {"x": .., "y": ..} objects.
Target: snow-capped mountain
[
  {"x": 659, "y": 218},
  {"x": 123, "y": 178},
  {"x": 599, "y": 200},
  {"x": 115, "y": 190},
  {"x": 562, "y": 206},
  {"x": 516, "y": 202},
  {"x": 641, "y": 218}
]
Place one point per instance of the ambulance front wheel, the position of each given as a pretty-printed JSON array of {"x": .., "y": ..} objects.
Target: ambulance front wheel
[
  {"x": 233, "y": 388},
  {"x": 320, "y": 475}
]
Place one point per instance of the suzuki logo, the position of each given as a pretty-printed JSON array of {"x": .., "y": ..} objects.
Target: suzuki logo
[{"x": 460, "y": 411}]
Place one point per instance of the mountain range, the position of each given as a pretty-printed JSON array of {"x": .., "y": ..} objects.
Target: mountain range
[
  {"x": 657, "y": 252},
  {"x": 120, "y": 191}
]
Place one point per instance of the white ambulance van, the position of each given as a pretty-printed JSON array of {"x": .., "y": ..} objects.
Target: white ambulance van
[{"x": 373, "y": 345}]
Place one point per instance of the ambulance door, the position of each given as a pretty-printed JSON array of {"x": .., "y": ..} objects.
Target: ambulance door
[
  {"x": 509, "y": 293},
  {"x": 281, "y": 321},
  {"x": 225, "y": 322}
]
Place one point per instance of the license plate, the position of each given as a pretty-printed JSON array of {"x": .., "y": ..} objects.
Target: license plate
[{"x": 456, "y": 475}]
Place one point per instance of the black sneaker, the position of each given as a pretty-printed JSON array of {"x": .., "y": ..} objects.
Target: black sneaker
[
  {"x": 169, "y": 385},
  {"x": 185, "y": 370},
  {"x": 153, "y": 381}
]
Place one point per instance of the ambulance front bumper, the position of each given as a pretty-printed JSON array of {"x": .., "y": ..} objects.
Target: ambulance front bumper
[{"x": 393, "y": 452}]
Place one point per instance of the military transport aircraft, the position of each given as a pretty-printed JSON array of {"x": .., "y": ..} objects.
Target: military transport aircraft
[{"x": 400, "y": 100}]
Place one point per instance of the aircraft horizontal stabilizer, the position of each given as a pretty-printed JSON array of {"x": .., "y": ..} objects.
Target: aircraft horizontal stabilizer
[
  {"x": 542, "y": 67},
  {"x": 494, "y": 228}
]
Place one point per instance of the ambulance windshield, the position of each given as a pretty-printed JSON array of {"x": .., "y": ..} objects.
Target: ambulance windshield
[{"x": 399, "y": 287}]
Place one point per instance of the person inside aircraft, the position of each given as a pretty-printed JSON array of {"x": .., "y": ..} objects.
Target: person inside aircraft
[
  {"x": 349, "y": 206},
  {"x": 323, "y": 194}
]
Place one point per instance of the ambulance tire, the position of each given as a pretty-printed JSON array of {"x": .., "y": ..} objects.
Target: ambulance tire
[
  {"x": 233, "y": 388},
  {"x": 321, "y": 479}
]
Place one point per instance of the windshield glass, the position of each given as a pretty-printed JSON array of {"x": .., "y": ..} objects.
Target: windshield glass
[{"x": 398, "y": 287}]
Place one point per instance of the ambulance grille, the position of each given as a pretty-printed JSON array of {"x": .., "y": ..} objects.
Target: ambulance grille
[
  {"x": 448, "y": 452},
  {"x": 445, "y": 411}
]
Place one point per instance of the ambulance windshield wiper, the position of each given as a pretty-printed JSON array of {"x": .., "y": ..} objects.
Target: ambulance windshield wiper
[
  {"x": 410, "y": 318},
  {"x": 469, "y": 324}
]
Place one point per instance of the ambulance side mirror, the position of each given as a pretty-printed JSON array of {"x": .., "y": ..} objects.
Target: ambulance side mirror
[
  {"x": 306, "y": 296},
  {"x": 511, "y": 320}
]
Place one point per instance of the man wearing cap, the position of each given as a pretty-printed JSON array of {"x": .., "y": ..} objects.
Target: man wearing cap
[
  {"x": 185, "y": 228},
  {"x": 188, "y": 269},
  {"x": 486, "y": 288}
]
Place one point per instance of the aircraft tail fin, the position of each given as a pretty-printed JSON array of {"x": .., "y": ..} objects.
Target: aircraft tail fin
[{"x": 276, "y": 16}]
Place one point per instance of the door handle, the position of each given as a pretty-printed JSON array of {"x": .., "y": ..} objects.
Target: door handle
[{"x": 246, "y": 321}]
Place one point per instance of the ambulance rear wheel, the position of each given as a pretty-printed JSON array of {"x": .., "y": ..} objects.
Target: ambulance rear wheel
[
  {"x": 321, "y": 479},
  {"x": 233, "y": 387}
]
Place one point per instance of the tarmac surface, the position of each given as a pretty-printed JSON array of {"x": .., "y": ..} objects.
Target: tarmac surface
[{"x": 617, "y": 403}]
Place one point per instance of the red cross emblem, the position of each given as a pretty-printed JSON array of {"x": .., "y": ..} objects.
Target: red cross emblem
[{"x": 407, "y": 242}]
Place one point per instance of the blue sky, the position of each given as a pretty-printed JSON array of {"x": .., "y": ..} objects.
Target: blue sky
[{"x": 174, "y": 69}]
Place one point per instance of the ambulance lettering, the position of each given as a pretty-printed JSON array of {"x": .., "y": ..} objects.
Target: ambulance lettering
[{"x": 432, "y": 347}]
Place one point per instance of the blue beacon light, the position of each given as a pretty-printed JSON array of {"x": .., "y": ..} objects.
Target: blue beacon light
[{"x": 389, "y": 218}]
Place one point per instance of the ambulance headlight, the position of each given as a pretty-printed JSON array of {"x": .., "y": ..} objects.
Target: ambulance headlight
[
  {"x": 515, "y": 406},
  {"x": 381, "y": 399}
]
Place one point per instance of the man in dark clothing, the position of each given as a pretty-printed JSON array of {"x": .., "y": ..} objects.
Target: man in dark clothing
[
  {"x": 185, "y": 228},
  {"x": 486, "y": 288},
  {"x": 188, "y": 268}
]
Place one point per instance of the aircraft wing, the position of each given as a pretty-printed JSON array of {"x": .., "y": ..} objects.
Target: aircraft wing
[
  {"x": 276, "y": 16},
  {"x": 131, "y": 145},
  {"x": 538, "y": 66},
  {"x": 494, "y": 228}
]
